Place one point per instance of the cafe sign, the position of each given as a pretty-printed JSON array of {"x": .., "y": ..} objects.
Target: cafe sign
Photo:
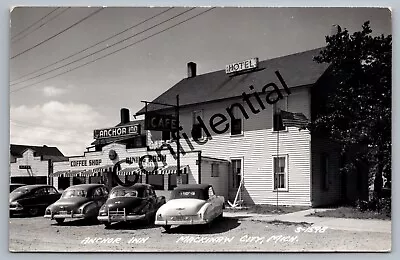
[
  {"x": 119, "y": 131},
  {"x": 159, "y": 122},
  {"x": 242, "y": 66}
]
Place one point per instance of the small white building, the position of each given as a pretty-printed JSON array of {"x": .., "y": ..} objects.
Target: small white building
[{"x": 33, "y": 164}]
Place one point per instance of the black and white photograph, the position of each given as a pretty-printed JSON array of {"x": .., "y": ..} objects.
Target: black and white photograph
[{"x": 200, "y": 129}]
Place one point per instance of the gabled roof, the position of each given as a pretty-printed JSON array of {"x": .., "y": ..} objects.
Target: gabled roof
[
  {"x": 46, "y": 152},
  {"x": 297, "y": 69}
]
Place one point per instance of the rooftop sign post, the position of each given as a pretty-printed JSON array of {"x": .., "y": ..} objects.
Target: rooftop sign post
[
  {"x": 242, "y": 66},
  {"x": 158, "y": 122}
]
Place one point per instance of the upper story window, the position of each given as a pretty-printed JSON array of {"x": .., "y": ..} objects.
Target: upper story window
[
  {"x": 214, "y": 170},
  {"x": 237, "y": 122},
  {"x": 282, "y": 104},
  {"x": 197, "y": 131}
]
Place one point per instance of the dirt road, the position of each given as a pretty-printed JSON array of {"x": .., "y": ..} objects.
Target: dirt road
[{"x": 228, "y": 234}]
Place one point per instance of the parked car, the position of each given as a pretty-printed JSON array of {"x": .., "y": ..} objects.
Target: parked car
[
  {"x": 190, "y": 204},
  {"x": 32, "y": 199},
  {"x": 126, "y": 204},
  {"x": 13, "y": 186},
  {"x": 81, "y": 201}
]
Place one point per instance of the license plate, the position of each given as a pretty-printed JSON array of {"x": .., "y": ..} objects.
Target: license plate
[
  {"x": 179, "y": 218},
  {"x": 63, "y": 212}
]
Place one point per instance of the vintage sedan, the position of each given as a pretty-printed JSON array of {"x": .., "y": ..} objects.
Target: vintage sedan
[
  {"x": 190, "y": 204},
  {"x": 32, "y": 199},
  {"x": 126, "y": 204},
  {"x": 81, "y": 201}
]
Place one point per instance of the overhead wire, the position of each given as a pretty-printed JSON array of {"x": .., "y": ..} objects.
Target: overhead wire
[
  {"x": 87, "y": 48},
  {"x": 57, "y": 34},
  {"x": 111, "y": 53},
  {"x": 51, "y": 19}
]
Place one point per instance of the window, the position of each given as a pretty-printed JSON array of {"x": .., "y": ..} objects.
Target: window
[
  {"x": 97, "y": 193},
  {"x": 105, "y": 191},
  {"x": 236, "y": 173},
  {"x": 166, "y": 135},
  {"x": 280, "y": 173},
  {"x": 237, "y": 123},
  {"x": 214, "y": 170},
  {"x": 324, "y": 171},
  {"x": 197, "y": 131},
  {"x": 282, "y": 104},
  {"x": 51, "y": 191},
  {"x": 40, "y": 192}
]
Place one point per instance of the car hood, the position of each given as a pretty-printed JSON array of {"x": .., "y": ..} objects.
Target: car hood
[
  {"x": 123, "y": 202},
  {"x": 69, "y": 203},
  {"x": 183, "y": 206}
]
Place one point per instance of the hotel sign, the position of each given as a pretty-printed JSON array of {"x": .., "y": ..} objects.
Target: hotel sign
[
  {"x": 119, "y": 131},
  {"x": 242, "y": 66}
]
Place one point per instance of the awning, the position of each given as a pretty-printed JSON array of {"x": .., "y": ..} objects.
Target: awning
[
  {"x": 129, "y": 171},
  {"x": 173, "y": 169},
  {"x": 90, "y": 173},
  {"x": 58, "y": 174},
  {"x": 105, "y": 168},
  {"x": 73, "y": 173}
]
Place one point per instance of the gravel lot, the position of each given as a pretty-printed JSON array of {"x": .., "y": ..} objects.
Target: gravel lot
[{"x": 229, "y": 234}]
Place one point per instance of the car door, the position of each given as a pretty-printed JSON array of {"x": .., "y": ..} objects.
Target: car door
[
  {"x": 53, "y": 195},
  {"x": 39, "y": 198}
]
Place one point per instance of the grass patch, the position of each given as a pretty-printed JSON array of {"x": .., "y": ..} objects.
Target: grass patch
[
  {"x": 268, "y": 209},
  {"x": 349, "y": 212}
]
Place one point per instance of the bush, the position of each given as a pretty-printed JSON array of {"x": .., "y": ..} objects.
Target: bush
[{"x": 383, "y": 205}]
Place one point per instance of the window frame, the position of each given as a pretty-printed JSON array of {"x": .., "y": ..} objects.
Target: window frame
[
  {"x": 238, "y": 116},
  {"x": 286, "y": 105},
  {"x": 213, "y": 173},
  {"x": 232, "y": 182},
  {"x": 194, "y": 119},
  {"x": 286, "y": 172}
]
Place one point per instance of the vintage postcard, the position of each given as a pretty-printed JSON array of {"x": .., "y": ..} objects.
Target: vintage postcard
[{"x": 200, "y": 129}]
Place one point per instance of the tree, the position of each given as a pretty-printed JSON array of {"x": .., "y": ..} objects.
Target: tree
[{"x": 358, "y": 112}]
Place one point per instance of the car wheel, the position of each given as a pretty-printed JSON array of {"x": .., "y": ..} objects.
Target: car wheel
[
  {"x": 33, "y": 212},
  {"x": 60, "y": 220},
  {"x": 167, "y": 228},
  {"x": 107, "y": 224}
]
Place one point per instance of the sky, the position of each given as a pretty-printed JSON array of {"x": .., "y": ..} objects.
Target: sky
[{"x": 64, "y": 110}]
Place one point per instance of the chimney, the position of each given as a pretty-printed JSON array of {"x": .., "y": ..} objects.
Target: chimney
[
  {"x": 124, "y": 115},
  {"x": 191, "y": 66}
]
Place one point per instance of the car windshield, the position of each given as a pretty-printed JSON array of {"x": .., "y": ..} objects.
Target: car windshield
[
  {"x": 192, "y": 194},
  {"x": 74, "y": 193},
  {"x": 123, "y": 193}
]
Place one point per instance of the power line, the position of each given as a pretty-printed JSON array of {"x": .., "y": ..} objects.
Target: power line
[
  {"x": 51, "y": 19},
  {"x": 74, "y": 54},
  {"x": 113, "y": 52},
  {"x": 107, "y": 47},
  {"x": 30, "y": 26},
  {"x": 55, "y": 35}
]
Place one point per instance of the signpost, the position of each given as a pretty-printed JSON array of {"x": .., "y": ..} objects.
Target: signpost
[{"x": 161, "y": 122}]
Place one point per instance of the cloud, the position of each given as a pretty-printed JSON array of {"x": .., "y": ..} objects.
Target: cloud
[
  {"x": 50, "y": 91},
  {"x": 69, "y": 126}
]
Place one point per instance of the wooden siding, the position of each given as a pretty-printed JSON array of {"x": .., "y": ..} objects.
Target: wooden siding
[
  {"x": 332, "y": 194},
  {"x": 257, "y": 146}
]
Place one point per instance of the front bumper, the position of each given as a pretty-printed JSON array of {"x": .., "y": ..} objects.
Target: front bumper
[
  {"x": 72, "y": 215},
  {"x": 16, "y": 210},
  {"x": 120, "y": 218}
]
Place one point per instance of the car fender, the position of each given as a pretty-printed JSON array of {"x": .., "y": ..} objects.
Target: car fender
[
  {"x": 205, "y": 211},
  {"x": 92, "y": 210}
]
